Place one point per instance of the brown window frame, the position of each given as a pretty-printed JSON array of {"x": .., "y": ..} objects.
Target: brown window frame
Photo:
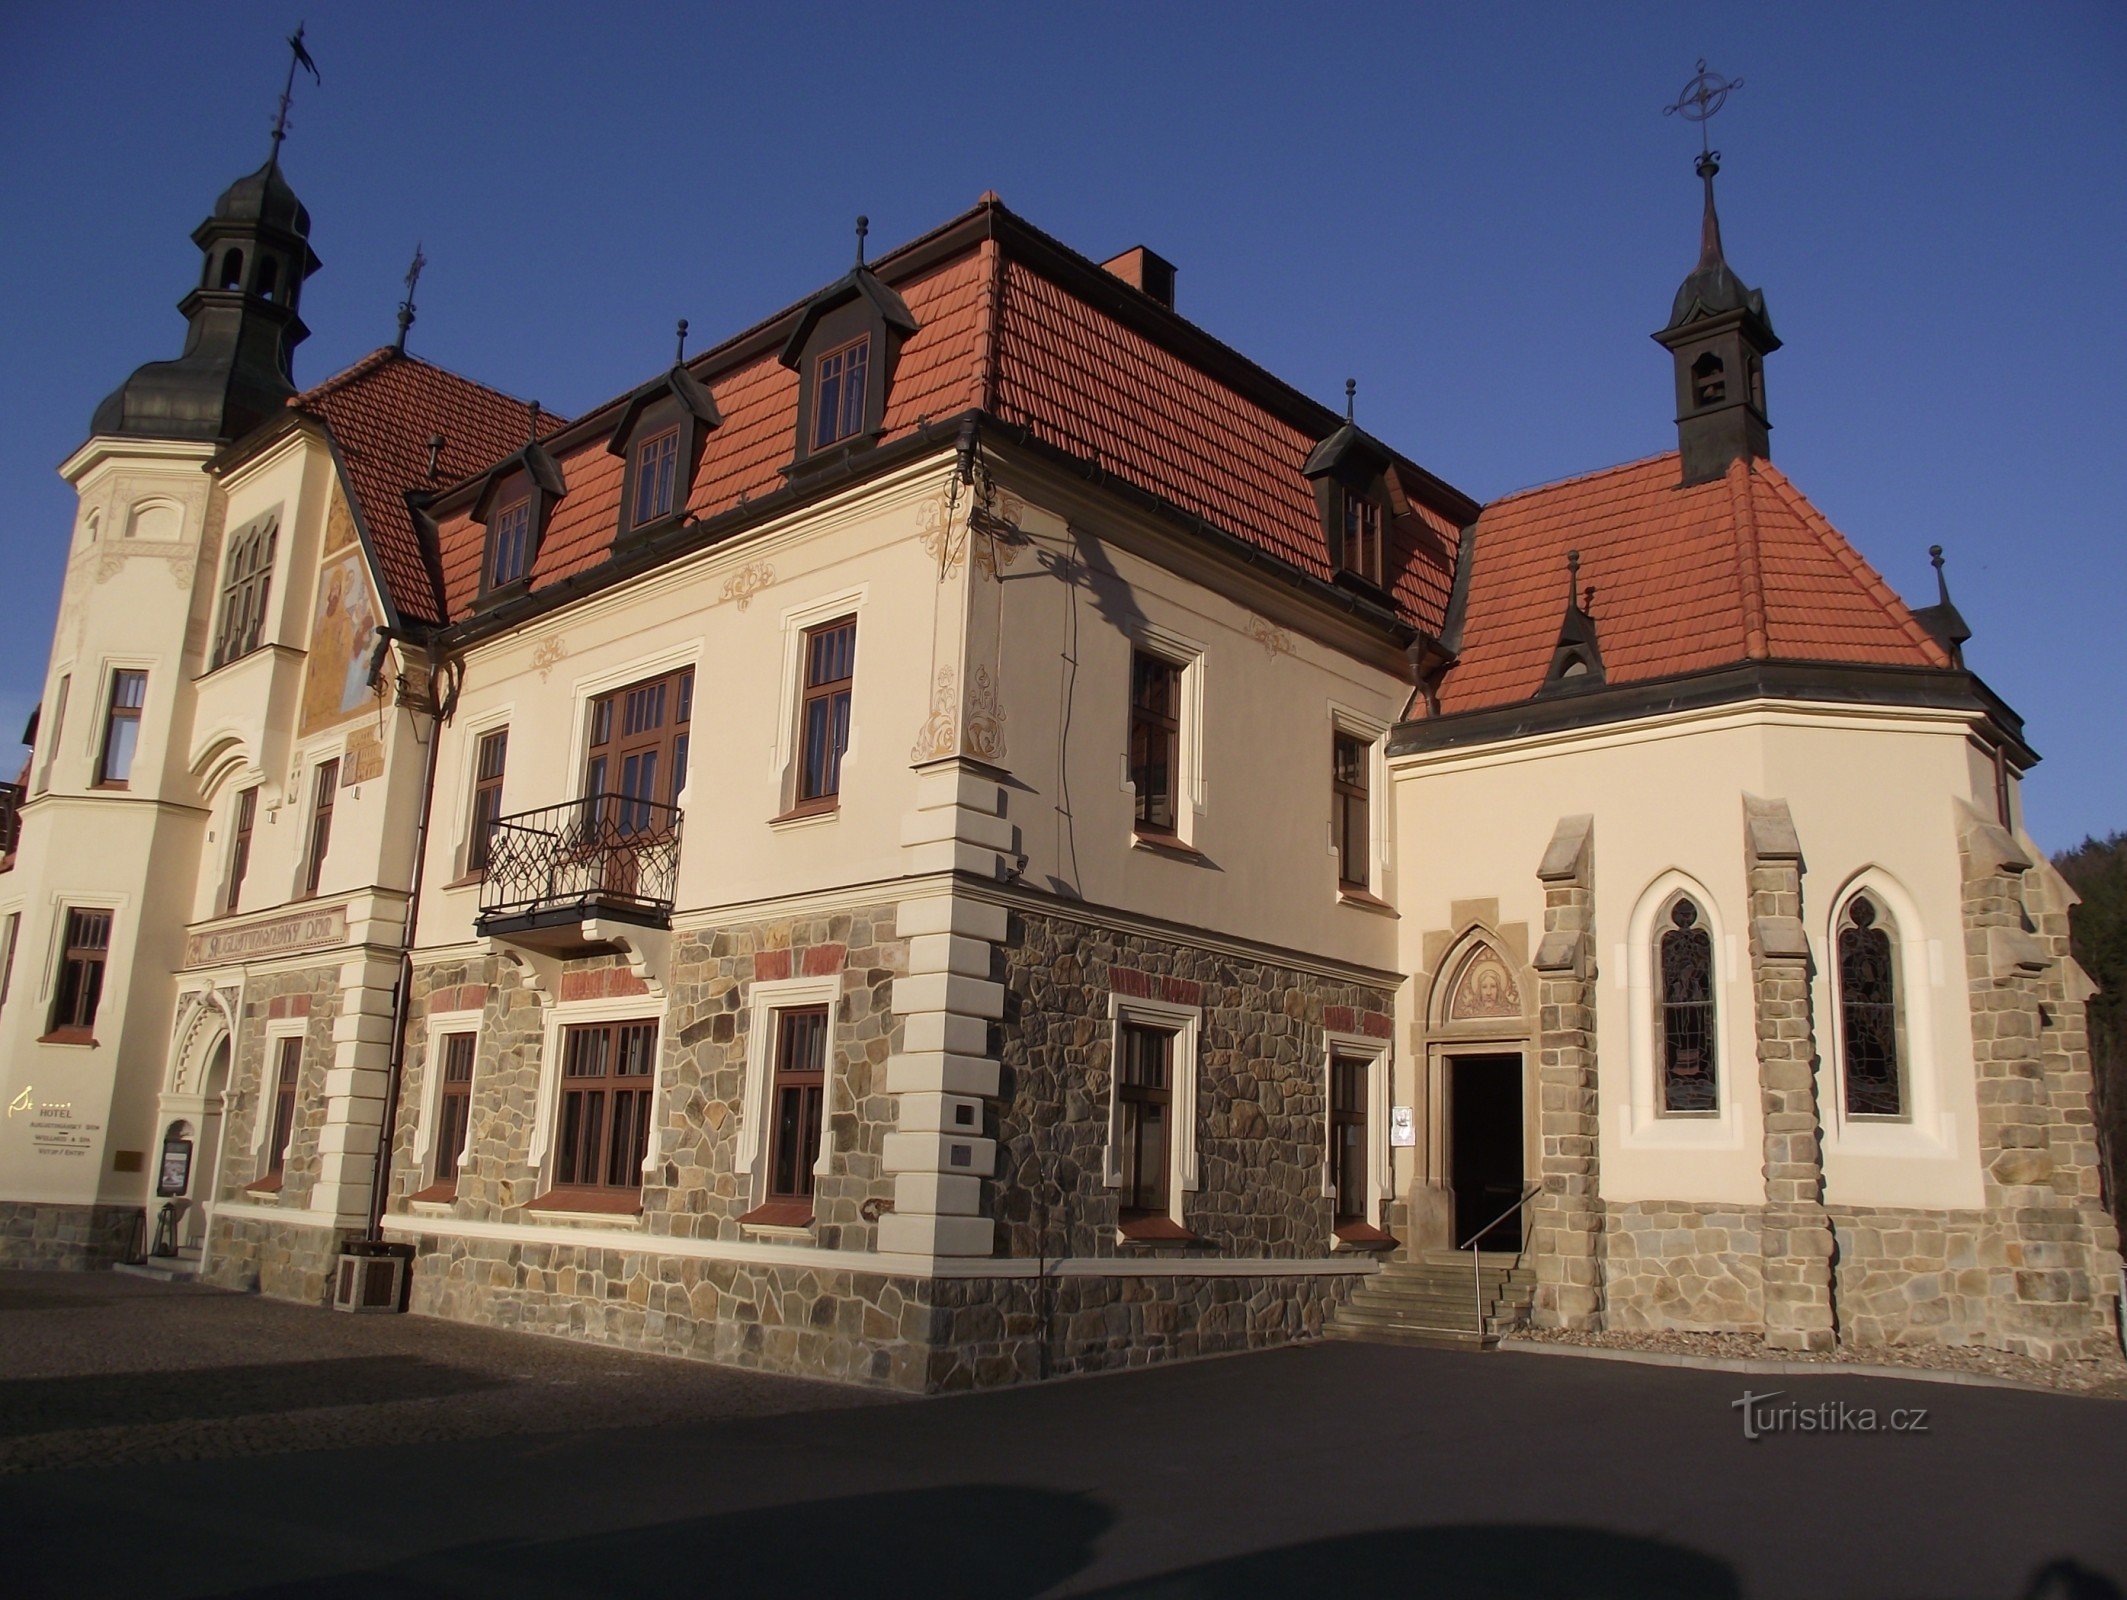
[
  {"x": 491, "y": 753},
  {"x": 1351, "y": 802},
  {"x": 602, "y": 1121},
  {"x": 1135, "y": 1200},
  {"x": 84, "y": 959},
  {"x": 655, "y": 484},
  {"x": 324, "y": 796},
  {"x": 1362, "y": 534},
  {"x": 797, "y": 1107},
  {"x": 1155, "y": 730},
  {"x": 454, "y": 1105},
  {"x": 509, "y": 533},
  {"x": 819, "y": 762},
  {"x": 243, "y": 819},
  {"x": 246, "y": 584},
  {"x": 287, "y": 1078},
  {"x": 121, "y": 711},
  {"x": 651, "y": 718},
  {"x": 1350, "y": 1149},
  {"x": 846, "y": 418},
  {"x": 12, "y": 937}
]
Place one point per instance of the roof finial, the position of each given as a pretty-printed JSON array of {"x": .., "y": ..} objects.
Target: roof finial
[
  {"x": 1572, "y": 578},
  {"x": 1942, "y": 584},
  {"x": 435, "y": 454},
  {"x": 1701, "y": 98},
  {"x": 680, "y": 359},
  {"x": 532, "y": 436},
  {"x": 406, "y": 306},
  {"x": 1351, "y": 389},
  {"x": 297, "y": 57},
  {"x": 863, "y": 227}
]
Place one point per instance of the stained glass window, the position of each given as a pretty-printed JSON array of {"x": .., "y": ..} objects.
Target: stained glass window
[
  {"x": 1868, "y": 1014},
  {"x": 1688, "y": 1082}
]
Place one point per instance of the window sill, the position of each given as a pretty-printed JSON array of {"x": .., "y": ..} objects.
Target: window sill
[
  {"x": 1362, "y": 900},
  {"x": 73, "y": 1036},
  {"x": 267, "y": 1188},
  {"x": 465, "y": 881},
  {"x": 780, "y": 1219},
  {"x": 1167, "y": 844},
  {"x": 1152, "y": 1231},
  {"x": 805, "y": 816},
  {"x": 111, "y": 785},
  {"x": 624, "y": 1206},
  {"x": 1361, "y": 1236},
  {"x": 436, "y": 1197}
]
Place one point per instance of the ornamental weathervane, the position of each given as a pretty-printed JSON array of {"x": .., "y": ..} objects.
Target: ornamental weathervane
[{"x": 1702, "y": 97}]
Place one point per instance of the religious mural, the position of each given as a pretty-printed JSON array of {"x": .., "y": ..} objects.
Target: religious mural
[{"x": 336, "y": 681}]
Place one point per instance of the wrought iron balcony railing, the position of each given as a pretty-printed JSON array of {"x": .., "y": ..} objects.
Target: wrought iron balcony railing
[{"x": 605, "y": 853}]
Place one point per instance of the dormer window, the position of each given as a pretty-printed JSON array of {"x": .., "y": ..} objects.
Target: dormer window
[
  {"x": 1362, "y": 535},
  {"x": 509, "y": 544},
  {"x": 656, "y": 459},
  {"x": 838, "y": 393}
]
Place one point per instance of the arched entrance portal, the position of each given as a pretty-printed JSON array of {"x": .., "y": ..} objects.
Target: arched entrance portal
[
  {"x": 207, "y": 1152},
  {"x": 1479, "y": 1148}
]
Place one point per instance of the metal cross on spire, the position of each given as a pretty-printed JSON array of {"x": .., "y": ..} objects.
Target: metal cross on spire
[
  {"x": 297, "y": 57},
  {"x": 406, "y": 306},
  {"x": 1702, "y": 97}
]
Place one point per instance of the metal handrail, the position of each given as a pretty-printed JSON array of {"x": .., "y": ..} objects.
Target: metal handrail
[
  {"x": 1476, "y": 1261},
  {"x": 603, "y": 848}
]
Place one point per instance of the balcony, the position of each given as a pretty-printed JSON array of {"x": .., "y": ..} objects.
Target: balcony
[{"x": 558, "y": 876}]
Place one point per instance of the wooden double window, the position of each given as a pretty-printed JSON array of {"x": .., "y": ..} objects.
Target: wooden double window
[
  {"x": 1351, "y": 760},
  {"x": 81, "y": 970},
  {"x": 656, "y": 474},
  {"x": 121, "y": 728},
  {"x": 454, "y": 1105},
  {"x": 638, "y": 758},
  {"x": 1348, "y": 1142},
  {"x": 246, "y": 577},
  {"x": 1362, "y": 534},
  {"x": 838, "y": 393},
  {"x": 1144, "y": 1107},
  {"x": 243, "y": 818},
  {"x": 509, "y": 544},
  {"x": 1155, "y": 742},
  {"x": 324, "y": 793},
  {"x": 490, "y": 756},
  {"x": 287, "y": 1074},
  {"x": 830, "y": 662},
  {"x": 1687, "y": 1016},
  {"x": 607, "y": 1073},
  {"x": 797, "y": 1100}
]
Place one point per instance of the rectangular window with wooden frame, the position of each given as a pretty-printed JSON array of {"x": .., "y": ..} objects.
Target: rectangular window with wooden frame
[
  {"x": 121, "y": 729},
  {"x": 246, "y": 574},
  {"x": 1155, "y": 742},
  {"x": 490, "y": 756},
  {"x": 1348, "y": 1141},
  {"x": 1362, "y": 535},
  {"x": 839, "y": 383},
  {"x": 10, "y": 935},
  {"x": 288, "y": 1072},
  {"x": 1144, "y": 1095},
  {"x": 81, "y": 972},
  {"x": 797, "y": 1097},
  {"x": 829, "y": 657},
  {"x": 509, "y": 544},
  {"x": 324, "y": 792},
  {"x": 637, "y": 763},
  {"x": 608, "y": 1070},
  {"x": 243, "y": 817},
  {"x": 656, "y": 471},
  {"x": 454, "y": 1112},
  {"x": 1351, "y": 820}
]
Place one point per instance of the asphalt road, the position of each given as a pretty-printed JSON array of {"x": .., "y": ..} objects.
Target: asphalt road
[{"x": 180, "y": 1442}]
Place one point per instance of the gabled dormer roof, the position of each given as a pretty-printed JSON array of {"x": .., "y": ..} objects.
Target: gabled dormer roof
[
  {"x": 534, "y": 462},
  {"x": 682, "y": 386},
  {"x": 1350, "y": 452},
  {"x": 858, "y": 284}
]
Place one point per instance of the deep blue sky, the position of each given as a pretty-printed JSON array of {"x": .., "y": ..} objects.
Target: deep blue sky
[{"x": 1478, "y": 211}]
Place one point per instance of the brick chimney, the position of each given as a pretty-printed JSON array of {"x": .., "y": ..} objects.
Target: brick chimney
[{"x": 1145, "y": 272}]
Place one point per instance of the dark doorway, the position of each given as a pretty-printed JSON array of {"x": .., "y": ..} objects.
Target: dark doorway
[{"x": 1484, "y": 1147}]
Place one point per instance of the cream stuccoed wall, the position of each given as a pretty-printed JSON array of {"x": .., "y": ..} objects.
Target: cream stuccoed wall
[
  {"x": 1871, "y": 793},
  {"x": 735, "y": 614},
  {"x": 1269, "y": 676},
  {"x": 148, "y": 520}
]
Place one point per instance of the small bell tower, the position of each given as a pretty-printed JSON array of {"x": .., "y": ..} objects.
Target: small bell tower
[{"x": 1718, "y": 334}]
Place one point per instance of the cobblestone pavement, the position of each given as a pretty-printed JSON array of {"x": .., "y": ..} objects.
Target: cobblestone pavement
[
  {"x": 102, "y": 1368},
  {"x": 327, "y": 1456}
]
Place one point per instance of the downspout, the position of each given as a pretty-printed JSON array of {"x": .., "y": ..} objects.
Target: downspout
[{"x": 439, "y": 707}]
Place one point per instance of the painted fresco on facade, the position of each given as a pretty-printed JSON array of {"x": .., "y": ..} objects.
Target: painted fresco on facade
[{"x": 336, "y": 685}]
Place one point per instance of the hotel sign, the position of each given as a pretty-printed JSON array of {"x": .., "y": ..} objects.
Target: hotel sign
[{"x": 283, "y": 934}]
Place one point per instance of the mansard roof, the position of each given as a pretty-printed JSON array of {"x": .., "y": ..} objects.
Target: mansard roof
[
  {"x": 381, "y": 413},
  {"x": 1739, "y": 569}
]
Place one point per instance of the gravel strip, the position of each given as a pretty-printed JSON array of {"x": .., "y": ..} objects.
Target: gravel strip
[{"x": 2104, "y": 1378}]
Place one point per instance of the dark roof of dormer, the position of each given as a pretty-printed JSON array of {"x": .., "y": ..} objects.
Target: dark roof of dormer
[
  {"x": 535, "y": 463},
  {"x": 1352, "y": 445},
  {"x": 858, "y": 283},
  {"x": 679, "y": 383}
]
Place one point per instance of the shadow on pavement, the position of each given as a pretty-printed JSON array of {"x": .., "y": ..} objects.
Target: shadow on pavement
[{"x": 186, "y": 1394}]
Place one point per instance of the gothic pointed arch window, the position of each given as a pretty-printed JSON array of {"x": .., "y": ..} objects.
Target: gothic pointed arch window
[
  {"x": 1686, "y": 1016},
  {"x": 1868, "y": 1011}
]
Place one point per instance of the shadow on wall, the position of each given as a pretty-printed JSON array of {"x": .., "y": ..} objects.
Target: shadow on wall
[{"x": 1003, "y": 1543}]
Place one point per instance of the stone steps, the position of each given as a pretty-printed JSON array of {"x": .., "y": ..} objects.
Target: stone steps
[
  {"x": 1432, "y": 1302},
  {"x": 180, "y": 1268}
]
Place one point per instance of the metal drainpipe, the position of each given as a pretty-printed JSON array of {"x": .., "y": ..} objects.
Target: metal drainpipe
[{"x": 402, "y": 991}]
